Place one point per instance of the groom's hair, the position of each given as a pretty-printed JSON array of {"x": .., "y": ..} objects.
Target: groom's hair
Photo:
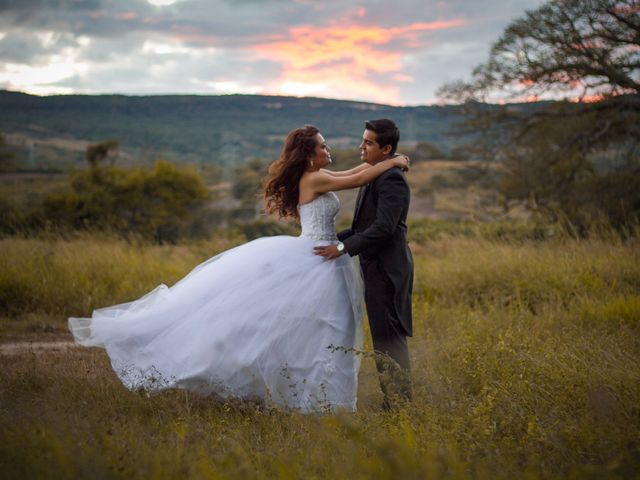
[{"x": 386, "y": 133}]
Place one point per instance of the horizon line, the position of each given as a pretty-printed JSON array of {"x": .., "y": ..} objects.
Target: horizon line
[{"x": 273, "y": 95}]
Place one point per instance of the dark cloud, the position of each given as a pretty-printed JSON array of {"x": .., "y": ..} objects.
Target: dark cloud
[
  {"x": 198, "y": 22},
  {"x": 16, "y": 48},
  {"x": 32, "y": 47},
  {"x": 41, "y": 13}
]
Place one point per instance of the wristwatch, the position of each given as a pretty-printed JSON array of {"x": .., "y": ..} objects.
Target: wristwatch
[{"x": 340, "y": 247}]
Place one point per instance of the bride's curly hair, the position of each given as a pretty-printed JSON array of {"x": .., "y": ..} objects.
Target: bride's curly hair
[{"x": 281, "y": 185}]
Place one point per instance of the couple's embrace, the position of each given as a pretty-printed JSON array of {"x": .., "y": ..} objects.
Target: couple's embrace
[{"x": 279, "y": 319}]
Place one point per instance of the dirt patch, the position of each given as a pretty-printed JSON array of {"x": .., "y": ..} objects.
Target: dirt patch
[
  {"x": 62, "y": 143},
  {"x": 20, "y": 348}
]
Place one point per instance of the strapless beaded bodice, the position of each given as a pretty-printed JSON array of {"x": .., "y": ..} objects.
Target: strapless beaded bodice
[{"x": 318, "y": 217}]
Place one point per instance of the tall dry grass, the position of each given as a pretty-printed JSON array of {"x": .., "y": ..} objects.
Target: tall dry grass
[
  {"x": 72, "y": 277},
  {"x": 525, "y": 363}
]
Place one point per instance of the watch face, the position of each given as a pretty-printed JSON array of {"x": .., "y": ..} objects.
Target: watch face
[{"x": 340, "y": 246}]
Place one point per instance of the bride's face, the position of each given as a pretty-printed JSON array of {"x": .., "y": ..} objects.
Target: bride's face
[{"x": 322, "y": 153}]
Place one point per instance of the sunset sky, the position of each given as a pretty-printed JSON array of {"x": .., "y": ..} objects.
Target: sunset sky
[{"x": 396, "y": 52}]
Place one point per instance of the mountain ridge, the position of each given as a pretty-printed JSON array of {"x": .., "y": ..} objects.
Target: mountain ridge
[{"x": 209, "y": 129}]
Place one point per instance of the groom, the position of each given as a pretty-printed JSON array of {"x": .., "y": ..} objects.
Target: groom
[{"x": 378, "y": 234}]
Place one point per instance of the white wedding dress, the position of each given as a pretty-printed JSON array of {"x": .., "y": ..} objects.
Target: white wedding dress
[{"x": 267, "y": 320}]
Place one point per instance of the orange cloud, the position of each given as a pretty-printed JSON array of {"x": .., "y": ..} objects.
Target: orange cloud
[
  {"x": 346, "y": 60},
  {"x": 127, "y": 16},
  {"x": 588, "y": 98},
  {"x": 402, "y": 77}
]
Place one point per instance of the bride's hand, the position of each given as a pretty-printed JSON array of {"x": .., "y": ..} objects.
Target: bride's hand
[{"x": 402, "y": 161}]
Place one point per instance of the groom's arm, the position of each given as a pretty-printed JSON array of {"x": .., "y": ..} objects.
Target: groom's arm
[
  {"x": 344, "y": 234},
  {"x": 393, "y": 197}
]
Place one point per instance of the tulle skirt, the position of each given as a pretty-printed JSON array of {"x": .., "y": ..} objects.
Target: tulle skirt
[{"x": 268, "y": 320}]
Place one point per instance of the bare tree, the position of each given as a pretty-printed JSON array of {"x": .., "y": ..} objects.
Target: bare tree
[
  {"x": 584, "y": 53},
  {"x": 99, "y": 152}
]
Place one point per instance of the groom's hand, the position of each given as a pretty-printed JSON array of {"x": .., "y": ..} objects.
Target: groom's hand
[{"x": 329, "y": 252}]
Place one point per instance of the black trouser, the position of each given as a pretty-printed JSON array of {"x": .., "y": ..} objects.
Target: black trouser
[{"x": 389, "y": 338}]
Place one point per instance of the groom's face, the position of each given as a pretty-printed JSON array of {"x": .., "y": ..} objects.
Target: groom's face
[{"x": 370, "y": 151}]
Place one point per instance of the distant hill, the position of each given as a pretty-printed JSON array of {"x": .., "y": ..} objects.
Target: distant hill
[{"x": 223, "y": 130}]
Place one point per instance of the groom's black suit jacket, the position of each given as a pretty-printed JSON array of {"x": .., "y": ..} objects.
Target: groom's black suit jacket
[{"x": 378, "y": 234}]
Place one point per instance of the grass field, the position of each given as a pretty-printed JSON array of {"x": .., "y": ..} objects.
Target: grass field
[{"x": 526, "y": 363}]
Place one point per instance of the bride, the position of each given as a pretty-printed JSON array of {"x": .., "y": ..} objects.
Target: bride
[{"x": 268, "y": 320}]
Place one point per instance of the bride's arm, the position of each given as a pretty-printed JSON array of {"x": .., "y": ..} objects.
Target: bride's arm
[
  {"x": 346, "y": 173},
  {"x": 321, "y": 182},
  {"x": 354, "y": 170}
]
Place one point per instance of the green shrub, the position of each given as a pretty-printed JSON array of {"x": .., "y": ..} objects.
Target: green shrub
[{"x": 155, "y": 204}]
